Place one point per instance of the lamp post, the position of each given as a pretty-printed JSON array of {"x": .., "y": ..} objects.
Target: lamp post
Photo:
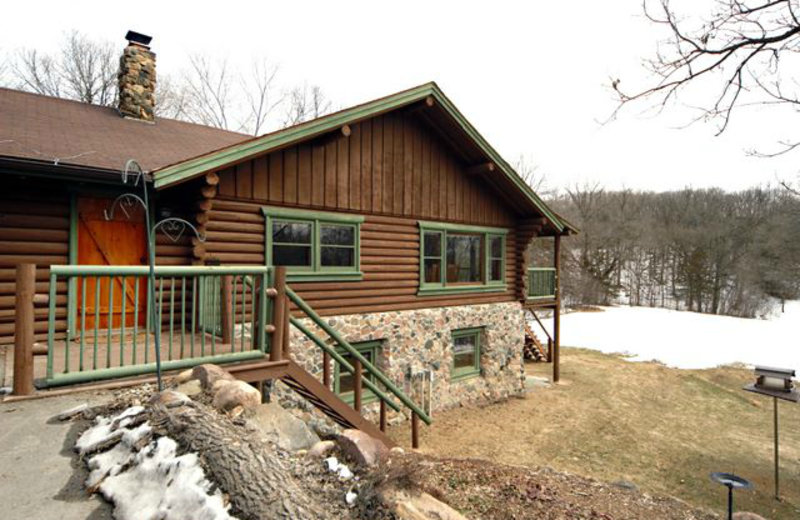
[
  {"x": 730, "y": 481},
  {"x": 777, "y": 383}
]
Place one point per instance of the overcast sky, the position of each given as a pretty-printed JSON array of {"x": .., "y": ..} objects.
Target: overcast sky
[{"x": 532, "y": 77}]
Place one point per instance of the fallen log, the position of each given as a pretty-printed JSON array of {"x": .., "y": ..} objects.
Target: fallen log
[{"x": 257, "y": 481}]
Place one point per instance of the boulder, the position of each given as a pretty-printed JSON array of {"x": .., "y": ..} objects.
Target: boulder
[
  {"x": 747, "y": 516},
  {"x": 209, "y": 374},
  {"x": 283, "y": 429},
  {"x": 416, "y": 505},
  {"x": 321, "y": 449},
  {"x": 235, "y": 393},
  {"x": 364, "y": 449},
  {"x": 192, "y": 387}
]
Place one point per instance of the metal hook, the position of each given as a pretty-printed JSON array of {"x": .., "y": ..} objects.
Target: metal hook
[
  {"x": 126, "y": 198},
  {"x": 137, "y": 169},
  {"x": 174, "y": 224}
]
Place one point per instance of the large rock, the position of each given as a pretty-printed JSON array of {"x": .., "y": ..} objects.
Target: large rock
[
  {"x": 321, "y": 449},
  {"x": 169, "y": 398},
  {"x": 283, "y": 429},
  {"x": 191, "y": 388},
  {"x": 209, "y": 374},
  {"x": 229, "y": 395},
  {"x": 418, "y": 506},
  {"x": 747, "y": 516},
  {"x": 364, "y": 449}
]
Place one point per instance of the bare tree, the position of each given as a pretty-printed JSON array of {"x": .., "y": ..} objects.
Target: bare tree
[
  {"x": 529, "y": 172},
  {"x": 209, "y": 89},
  {"x": 744, "y": 54},
  {"x": 84, "y": 70},
  {"x": 259, "y": 91},
  {"x": 305, "y": 104}
]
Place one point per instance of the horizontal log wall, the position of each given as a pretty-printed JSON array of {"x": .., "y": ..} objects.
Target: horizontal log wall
[
  {"x": 35, "y": 228},
  {"x": 389, "y": 260},
  {"x": 388, "y": 165}
]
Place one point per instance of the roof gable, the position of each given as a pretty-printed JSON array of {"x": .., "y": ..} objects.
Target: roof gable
[{"x": 428, "y": 92}]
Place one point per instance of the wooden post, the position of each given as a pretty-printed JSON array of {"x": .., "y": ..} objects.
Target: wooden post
[
  {"x": 357, "y": 385},
  {"x": 777, "y": 469},
  {"x": 278, "y": 315},
  {"x": 557, "y": 312},
  {"x": 326, "y": 370},
  {"x": 227, "y": 317},
  {"x": 23, "y": 330},
  {"x": 414, "y": 430},
  {"x": 383, "y": 415}
]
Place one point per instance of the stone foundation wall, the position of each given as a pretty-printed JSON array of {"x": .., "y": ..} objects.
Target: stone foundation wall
[{"x": 420, "y": 340}]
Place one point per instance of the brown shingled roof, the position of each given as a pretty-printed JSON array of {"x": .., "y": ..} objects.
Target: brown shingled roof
[{"x": 50, "y": 129}]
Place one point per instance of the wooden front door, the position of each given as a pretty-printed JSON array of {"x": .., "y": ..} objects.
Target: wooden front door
[{"x": 120, "y": 241}]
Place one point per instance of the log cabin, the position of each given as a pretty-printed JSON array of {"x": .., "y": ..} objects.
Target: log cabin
[{"x": 376, "y": 254}]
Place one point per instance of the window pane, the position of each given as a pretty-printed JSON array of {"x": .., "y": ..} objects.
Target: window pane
[
  {"x": 464, "y": 350},
  {"x": 334, "y": 235},
  {"x": 346, "y": 379},
  {"x": 433, "y": 270},
  {"x": 433, "y": 244},
  {"x": 496, "y": 270},
  {"x": 291, "y": 233},
  {"x": 338, "y": 257},
  {"x": 291, "y": 255},
  {"x": 463, "y": 258},
  {"x": 496, "y": 247}
]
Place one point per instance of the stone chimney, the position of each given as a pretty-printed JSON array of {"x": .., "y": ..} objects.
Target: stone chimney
[{"x": 137, "y": 79}]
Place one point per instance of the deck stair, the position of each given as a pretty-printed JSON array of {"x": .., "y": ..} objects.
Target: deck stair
[{"x": 533, "y": 348}]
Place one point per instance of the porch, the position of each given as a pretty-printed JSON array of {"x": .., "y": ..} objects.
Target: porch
[{"x": 238, "y": 316}]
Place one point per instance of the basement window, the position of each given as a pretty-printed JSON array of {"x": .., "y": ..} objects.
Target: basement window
[
  {"x": 466, "y": 353},
  {"x": 456, "y": 258},
  {"x": 313, "y": 245},
  {"x": 344, "y": 381}
]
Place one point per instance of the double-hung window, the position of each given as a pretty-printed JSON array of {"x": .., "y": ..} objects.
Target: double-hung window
[
  {"x": 313, "y": 245},
  {"x": 466, "y": 353},
  {"x": 455, "y": 258}
]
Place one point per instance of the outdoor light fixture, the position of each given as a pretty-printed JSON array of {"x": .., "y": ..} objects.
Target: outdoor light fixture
[
  {"x": 731, "y": 482},
  {"x": 777, "y": 383}
]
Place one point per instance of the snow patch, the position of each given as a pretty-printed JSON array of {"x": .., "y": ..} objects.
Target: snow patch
[
  {"x": 683, "y": 339},
  {"x": 335, "y": 466},
  {"x": 148, "y": 479}
]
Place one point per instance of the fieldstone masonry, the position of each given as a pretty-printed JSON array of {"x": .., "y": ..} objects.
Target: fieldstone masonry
[
  {"x": 419, "y": 340},
  {"x": 137, "y": 83}
]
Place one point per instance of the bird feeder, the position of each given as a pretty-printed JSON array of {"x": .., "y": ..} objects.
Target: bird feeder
[{"x": 777, "y": 383}]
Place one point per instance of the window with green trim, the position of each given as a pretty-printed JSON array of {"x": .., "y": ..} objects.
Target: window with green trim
[
  {"x": 466, "y": 353},
  {"x": 344, "y": 381},
  {"x": 455, "y": 258},
  {"x": 313, "y": 245}
]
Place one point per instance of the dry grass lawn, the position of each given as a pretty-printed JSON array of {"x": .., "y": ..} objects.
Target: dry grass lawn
[{"x": 662, "y": 429}]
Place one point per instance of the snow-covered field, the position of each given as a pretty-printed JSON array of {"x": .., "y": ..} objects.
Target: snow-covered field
[{"x": 687, "y": 339}]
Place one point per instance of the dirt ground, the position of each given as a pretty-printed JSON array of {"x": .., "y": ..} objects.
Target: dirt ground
[{"x": 661, "y": 430}]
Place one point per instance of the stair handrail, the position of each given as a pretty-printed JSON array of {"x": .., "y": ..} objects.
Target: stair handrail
[
  {"x": 541, "y": 324},
  {"x": 369, "y": 367},
  {"x": 339, "y": 359}
]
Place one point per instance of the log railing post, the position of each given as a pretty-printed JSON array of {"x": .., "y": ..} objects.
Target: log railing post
[
  {"x": 414, "y": 430},
  {"x": 279, "y": 315},
  {"x": 286, "y": 314},
  {"x": 227, "y": 317},
  {"x": 357, "y": 385},
  {"x": 23, "y": 330}
]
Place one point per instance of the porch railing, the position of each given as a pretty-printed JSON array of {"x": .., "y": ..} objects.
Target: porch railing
[
  {"x": 205, "y": 314},
  {"x": 541, "y": 283}
]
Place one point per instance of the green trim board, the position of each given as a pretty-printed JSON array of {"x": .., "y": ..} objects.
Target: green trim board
[
  {"x": 368, "y": 349},
  {"x": 474, "y": 370},
  {"x": 315, "y": 222},
  {"x": 443, "y": 230},
  {"x": 224, "y": 157}
]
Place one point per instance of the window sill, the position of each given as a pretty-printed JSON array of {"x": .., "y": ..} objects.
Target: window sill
[
  {"x": 458, "y": 289},
  {"x": 325, "y": 276},
  {"x": 463, "y": 376}
]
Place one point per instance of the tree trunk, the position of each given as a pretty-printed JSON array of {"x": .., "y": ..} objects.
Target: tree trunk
[{"x": 247, "y": 469}]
